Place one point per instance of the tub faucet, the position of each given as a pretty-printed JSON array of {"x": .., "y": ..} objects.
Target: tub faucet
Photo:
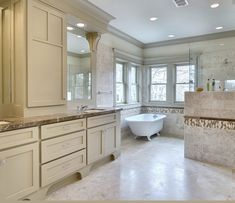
[
  {"x": 82, "y": 108},
  {"x": 155, "y": 116}
]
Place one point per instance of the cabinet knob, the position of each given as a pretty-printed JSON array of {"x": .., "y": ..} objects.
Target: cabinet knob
[{"x": 3, "y": 162}]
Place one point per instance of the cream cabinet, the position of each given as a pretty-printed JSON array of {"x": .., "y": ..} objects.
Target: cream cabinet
[
  {"x": 19, "y": 164},
  {"x": 63, "y": 150},
  {"x": 104, "y": 139},
  {"x": 46, "y": 55}
]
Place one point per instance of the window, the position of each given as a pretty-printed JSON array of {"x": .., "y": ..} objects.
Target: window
[
  {"x": 120, "y": 83},
  {"x": 185, "y": 81},
  {"x": 134, "y": 85},
  {"x": 158, "y": 86}
]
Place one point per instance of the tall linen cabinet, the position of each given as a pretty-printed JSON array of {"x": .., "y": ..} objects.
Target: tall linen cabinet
[{"x": 37, "y": 59}]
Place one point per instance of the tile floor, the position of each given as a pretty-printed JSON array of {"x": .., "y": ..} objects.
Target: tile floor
[{"x": 155, "y": 170}]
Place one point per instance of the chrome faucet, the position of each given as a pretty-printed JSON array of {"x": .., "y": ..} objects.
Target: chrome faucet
[{"x": 82, "y": 108}]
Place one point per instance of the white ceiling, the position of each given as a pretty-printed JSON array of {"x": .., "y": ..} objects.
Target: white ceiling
[{"x": 132, "y": 18}]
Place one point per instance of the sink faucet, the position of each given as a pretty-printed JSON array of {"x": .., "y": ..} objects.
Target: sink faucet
[{"x": 82, "y": 108}]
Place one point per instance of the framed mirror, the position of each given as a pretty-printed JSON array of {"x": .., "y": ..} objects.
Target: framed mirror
[{"x": 79, "y": 71}]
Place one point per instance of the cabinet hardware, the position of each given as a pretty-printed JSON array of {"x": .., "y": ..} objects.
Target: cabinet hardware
[{"x": 3, "y": 163}]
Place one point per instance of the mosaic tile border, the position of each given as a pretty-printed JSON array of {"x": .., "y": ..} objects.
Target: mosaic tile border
[
  {"x": 153, "y": 109},
  {"x": 209, "y": 123}
]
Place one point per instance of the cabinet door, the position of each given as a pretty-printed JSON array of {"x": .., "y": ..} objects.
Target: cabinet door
[
  {"x": 46, "y": 55},
  {"x": 19, "y": 172},
  {"x": 111, "y": 139},
  {"x": 95, "y": 144}
]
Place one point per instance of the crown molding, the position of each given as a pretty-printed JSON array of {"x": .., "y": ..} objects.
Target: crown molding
[
  {"x": 128, "y": 57},
  {"x": 96, "y": 18},
  {"x": 191, "y": 39},
  {"x": 125, "y": 36}
]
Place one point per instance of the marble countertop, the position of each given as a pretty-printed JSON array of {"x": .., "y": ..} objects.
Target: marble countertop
[{"x": 27, "y": 122}]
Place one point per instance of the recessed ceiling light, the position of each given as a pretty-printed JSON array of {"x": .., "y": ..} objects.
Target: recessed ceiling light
[
  {"x": 215, "y": 5},
  {"x": 70, "y": 28},
  {"x": 153, "y": 19},
  {"x": 221, "y": 44},
  {"x": 171, "y": 36},
  {"x": 219, "y": 28},
  {"x": 82, "y": 51},
  {"x": 81, "y": 25},
  {"x": 79, "y": 36}
]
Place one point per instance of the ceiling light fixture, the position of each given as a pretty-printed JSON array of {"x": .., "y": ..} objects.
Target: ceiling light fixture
[
  {"x": 215, "y": 5},
  {"x": 81, "y": 25},
  {"x": 82, "y": 51},
  {"x": 171, "y": 36},
  {"x": 153, "y": 19},
  {"x": 219, "y": 28},
  {"x": 70, "y": 28},
  {"x": 79, "y": 36}
]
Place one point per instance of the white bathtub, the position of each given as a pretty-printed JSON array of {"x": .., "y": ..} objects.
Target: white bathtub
[{"x": 146, "y": 124}]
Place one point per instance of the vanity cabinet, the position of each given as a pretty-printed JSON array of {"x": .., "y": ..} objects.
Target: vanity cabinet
[
  {"x": 103, "y": 138},
  {"x": 63, "y": 150},
  {"x": 19, "y": 163}
]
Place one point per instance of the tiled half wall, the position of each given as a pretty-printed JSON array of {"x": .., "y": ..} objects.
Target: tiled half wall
[{"x": 210, "y": 140}]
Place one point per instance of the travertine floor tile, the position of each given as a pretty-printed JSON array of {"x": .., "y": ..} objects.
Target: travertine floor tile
[{"x": 155, "y": 170}]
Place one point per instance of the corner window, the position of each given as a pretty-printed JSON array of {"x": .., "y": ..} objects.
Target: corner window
[
  {"x": 158, "y": 84},
  {"x": 185, "y": 81},
  {"x": 120, "y": 83}
]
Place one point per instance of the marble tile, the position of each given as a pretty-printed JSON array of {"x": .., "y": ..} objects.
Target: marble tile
[{"x": 155, "y": 170}]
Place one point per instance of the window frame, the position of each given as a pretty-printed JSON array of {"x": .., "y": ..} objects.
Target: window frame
[
  {"x": 137, "y": 84},
  {"x": 151, "y": 84},
  {"x": 175, "y": 80},
  {"x": 124, "y": 82}
]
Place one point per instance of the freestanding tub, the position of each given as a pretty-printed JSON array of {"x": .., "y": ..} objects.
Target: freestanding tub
[{"x": 146, "y": 124}]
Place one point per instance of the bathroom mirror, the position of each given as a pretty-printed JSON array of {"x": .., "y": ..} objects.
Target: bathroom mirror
[
  {"x": 6, "y": 69},
  {"x": 79, "y": 74},
  {"x": 215, "y": 60}
]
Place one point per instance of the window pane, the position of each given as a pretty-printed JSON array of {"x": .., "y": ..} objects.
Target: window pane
[
  {"x": 120, "y": 93},
  {"x": 134, "y": 93},
  {"x": 185, "y": 74},
  {"x": 230, "y": 85},
  {"x": 119, "y": 72},
  {"x": 180, "y": 90},
  {"x": 159, "y": 75},
  {"x": 133, "y": 75},
  {"x": 158, "y": 92}
]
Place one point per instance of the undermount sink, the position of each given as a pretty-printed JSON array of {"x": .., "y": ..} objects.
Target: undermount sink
[
  {"x": 4, "y": 122},
  {"x": 94, "y": 110}
]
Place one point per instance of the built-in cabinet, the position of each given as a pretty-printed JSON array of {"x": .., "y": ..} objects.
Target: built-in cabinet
[
  {"x": 47, "y": 52},
  {"x": 39, "y": 157},
  {"x": 19, "y": 163},
  {"x": 103, "y": 137},
  {"x": 33, "y": 55}
]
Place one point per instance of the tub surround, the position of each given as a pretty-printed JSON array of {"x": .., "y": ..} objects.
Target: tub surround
[
  {"x": 27, "y": 122},
  {"x": 210, "y": 127}
]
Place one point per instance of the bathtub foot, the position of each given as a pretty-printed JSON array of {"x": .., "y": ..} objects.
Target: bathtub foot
[
  {"x": 158, "y": 134},
  {"x": 136, "y": 137},
  {"x": 149, "y": 139}
]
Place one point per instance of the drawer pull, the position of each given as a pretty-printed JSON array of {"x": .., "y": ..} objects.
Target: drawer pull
[
  {"x": 66, "y": 128},
  {"x": 3, "y": 163}
]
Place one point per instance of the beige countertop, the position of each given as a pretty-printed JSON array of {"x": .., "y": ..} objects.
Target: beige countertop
[{"x": 20, "y": 123}]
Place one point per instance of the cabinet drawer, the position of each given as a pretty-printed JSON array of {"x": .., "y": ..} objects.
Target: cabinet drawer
[
  {"x": 58, "y": 147},
  {"x": 100, "y": 120},
  {"x": 18, "y": 137},
  {"x": 58, "y": 169},
  {"x": 53, "y": 130}
]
